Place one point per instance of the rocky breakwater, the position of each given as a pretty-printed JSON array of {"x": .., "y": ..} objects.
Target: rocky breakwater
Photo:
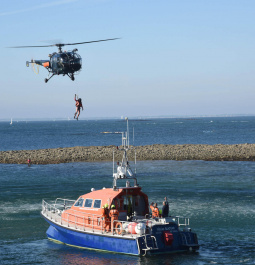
[{"x": 219, "y": 152}]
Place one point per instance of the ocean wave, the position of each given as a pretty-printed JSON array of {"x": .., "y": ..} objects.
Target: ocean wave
[{"x": 15, "y": 208}]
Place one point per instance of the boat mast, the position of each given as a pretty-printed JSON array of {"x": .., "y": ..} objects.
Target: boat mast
[{"x": 124, "y": 170}]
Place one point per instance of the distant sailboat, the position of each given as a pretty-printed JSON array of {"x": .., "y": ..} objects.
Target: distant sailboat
[{"x": 11, "y": 121}]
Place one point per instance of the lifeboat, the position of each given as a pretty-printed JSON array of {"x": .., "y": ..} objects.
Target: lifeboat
[{"x": 117, "y": 219}]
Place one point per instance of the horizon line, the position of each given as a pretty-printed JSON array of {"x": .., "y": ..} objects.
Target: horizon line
[{"x": 131, "y": 117}]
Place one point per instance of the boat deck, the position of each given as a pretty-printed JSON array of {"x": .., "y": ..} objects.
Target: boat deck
[
  {"x": 53, "y": 212},
  {"x": 54, "y": 215},
  {"x": 56, "y": 218}
]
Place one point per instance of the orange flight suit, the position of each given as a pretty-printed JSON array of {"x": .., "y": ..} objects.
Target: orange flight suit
[
  {"x": 114, "y": 215},
  {"x": 106, "y": 221}
]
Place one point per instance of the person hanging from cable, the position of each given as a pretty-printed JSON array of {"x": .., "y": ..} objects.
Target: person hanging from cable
[{"x": 78, "y": 104}]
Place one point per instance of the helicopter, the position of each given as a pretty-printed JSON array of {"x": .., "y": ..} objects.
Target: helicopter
[{"x": 61, "y": 62}]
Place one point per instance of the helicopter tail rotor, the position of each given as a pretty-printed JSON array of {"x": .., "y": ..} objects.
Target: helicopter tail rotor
[{"x": 34, "y": 66}]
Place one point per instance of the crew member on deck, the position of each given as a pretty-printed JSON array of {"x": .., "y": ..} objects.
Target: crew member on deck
[
  {"x": 105, "y": 217},
  {"x": 165, "y": 209},
  {"x": 154, "y": 210},
  {"x": 114, "y": 215}
]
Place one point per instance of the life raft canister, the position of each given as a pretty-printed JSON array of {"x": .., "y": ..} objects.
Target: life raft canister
[
  {"x": 131, "y": 228},
  {"x": 140, "y": 228},
  {"x": 168, "y": 238}
]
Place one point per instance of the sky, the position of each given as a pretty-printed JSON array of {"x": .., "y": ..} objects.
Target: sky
[{"x": 174, "y": 58}]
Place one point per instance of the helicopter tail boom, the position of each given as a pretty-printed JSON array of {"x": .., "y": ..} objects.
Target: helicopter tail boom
[{"x": 44, "y": 63}]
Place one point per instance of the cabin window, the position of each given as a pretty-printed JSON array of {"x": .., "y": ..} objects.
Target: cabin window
[
  {"x": 79, "y": 203},
  {"x": 88, "y": 203},
  {"x": 97, "y": 204}
]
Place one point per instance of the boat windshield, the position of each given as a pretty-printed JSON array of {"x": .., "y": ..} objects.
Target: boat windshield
[
  {"x": 88, "y": 203},
  {"x": 79, "y": 203},
  {"x": 97, "y": 204}
]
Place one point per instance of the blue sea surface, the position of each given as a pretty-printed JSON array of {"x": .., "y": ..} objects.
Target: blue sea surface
[
  {"x": 219, "y": 197},
  {"x": 28, "y": 135}
]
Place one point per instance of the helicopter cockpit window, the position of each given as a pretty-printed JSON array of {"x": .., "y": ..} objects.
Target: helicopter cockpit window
[
  {"x": 54, "y": 58},
  {"x": 76, "y": 56},
  {"x": 64, "y": 57}
]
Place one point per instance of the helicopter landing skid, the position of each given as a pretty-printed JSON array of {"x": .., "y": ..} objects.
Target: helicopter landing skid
[
  {"x": 47, "y": 79},
  {"x": 71, "y": 76}
]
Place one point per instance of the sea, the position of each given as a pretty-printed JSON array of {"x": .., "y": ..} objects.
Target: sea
[{"x": 217, "y": 196}]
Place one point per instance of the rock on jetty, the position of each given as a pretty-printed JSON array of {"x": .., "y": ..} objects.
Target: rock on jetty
[{"x": 219, "y": 152}]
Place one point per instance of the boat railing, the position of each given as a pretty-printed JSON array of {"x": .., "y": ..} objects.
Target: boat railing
[
  {"x": 85, "y": 221},
  {"x": 94, "y": 222},
  {"x": 181, "y": 221},
  {"x": 51, "y": 211},
  {"x": 74, "y": 219},
  {"x": 63, "y": 203}
]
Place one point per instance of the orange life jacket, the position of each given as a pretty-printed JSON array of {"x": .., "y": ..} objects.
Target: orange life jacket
[
  {"x": 155, "y": 211},
  {"x": 104, "y": 212},
  {"x": 114, "y": 213}
]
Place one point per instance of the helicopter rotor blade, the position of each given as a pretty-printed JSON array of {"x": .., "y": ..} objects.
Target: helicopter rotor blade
[
  {"x": 85, "y": 42},
  {"x": 63, "y": 44},
  {"x": 32, "y": 46}
]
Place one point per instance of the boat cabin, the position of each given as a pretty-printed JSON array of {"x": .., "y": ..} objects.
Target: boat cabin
[{"x": 129, "y": 201}]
